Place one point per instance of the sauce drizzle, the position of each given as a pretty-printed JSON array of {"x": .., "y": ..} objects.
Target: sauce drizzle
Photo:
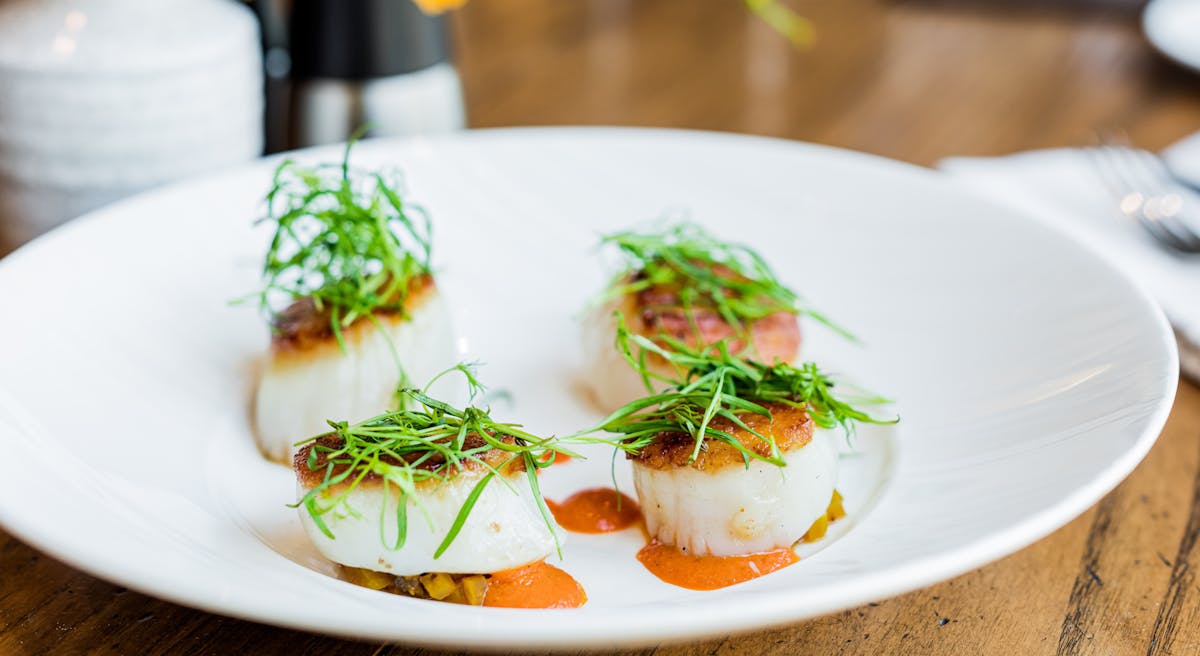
[
  {"x": 597, "y": 510},
  {"x": 710, "y": 572},
  {"x": 537, "y": 585}
]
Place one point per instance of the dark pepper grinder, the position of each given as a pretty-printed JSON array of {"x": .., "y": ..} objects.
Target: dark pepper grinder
[{"x": 380, "y": 64}]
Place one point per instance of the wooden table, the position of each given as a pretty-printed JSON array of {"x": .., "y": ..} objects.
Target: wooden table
[{"x": 914, "y": 81}]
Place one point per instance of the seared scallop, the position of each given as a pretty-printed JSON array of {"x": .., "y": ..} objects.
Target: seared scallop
[
  {"x": 717, "y": 504},
  {"x": 309, "y": 378},
  {"x": 657, "y": 313},
  {"x": 505, "y": 528}
]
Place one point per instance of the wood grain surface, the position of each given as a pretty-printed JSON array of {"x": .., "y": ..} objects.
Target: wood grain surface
[{"x": 915, "y": 81}]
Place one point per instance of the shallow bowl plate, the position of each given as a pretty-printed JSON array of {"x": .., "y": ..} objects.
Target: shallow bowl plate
[{"x": 1030, "y": 377}]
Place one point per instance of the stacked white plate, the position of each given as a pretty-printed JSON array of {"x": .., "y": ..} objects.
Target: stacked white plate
[
  {"x": 1171, "y": 26},
  {"x": 103, "y": 98}
]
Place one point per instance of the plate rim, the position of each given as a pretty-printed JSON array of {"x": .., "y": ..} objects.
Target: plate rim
[{"x": 771, "y": 609}]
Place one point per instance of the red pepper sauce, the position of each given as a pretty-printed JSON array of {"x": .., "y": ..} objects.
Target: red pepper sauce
[
  {"x": 710, "y": 572},
  {"x": 538, "y": 585},
  {"x": 598, "y": 510}
]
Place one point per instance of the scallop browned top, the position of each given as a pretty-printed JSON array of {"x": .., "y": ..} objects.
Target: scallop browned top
[
  {"x": 790, "y": 427},
  {"x": 300, "y": 326},
  {"x": 309, "y": 477},
  {"x": 660, "y": 311}
]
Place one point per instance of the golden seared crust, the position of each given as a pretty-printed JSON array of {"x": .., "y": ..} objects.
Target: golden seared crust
[
  {"x": 658, "y": 311},
  {"x": 791, "y": 428},
  {"x": 310, "y": 478},
  {"x": 301, "y": 328}
]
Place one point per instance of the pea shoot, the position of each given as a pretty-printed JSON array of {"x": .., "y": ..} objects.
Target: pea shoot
[
  {"x": 345, "y": 239},
  {"x": 704, "y": 273},
  {"x": 709, "y": 383}
]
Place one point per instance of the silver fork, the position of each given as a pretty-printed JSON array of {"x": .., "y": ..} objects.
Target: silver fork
[{"x": 1146, "y": 192}]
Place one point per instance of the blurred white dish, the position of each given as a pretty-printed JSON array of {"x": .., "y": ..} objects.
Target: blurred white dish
[
  {"x": 1031, "y": 376},
  {"x": 1173, "y": 27},
  {"x": 100, "y": 99}
]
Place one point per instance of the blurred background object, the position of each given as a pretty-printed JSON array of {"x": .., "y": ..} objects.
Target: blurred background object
[
  {"x": 380, "y": 64},
  {"x": 100, "y": 99},
  {"x": 1173, "y": 27}
]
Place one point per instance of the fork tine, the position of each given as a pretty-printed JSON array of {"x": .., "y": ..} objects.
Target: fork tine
[
  {"x": 1148, "y": 197},
  {"x": 1164, "y": 186},
  {"x": 1153, "y": 178},
  {"x": 1125, "y": 190}
]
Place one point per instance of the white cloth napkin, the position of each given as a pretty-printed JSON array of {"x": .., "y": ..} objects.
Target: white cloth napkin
[
  {"x": 1062, "y": 188},
  {"x": 1184, "y": 159}
]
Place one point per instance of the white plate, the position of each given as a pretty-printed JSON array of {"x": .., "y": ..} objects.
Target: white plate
[
  {"x": 1173, "y": 26},
  {"x": 1031, "y": 377}
]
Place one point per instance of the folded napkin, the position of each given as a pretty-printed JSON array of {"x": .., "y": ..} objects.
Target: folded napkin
[
  {"x": 1184, "y": 160},
  {"x": 1063, "y": 188}
]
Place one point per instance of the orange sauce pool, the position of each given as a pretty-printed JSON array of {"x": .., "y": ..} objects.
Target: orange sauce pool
[
  {"x": 710, "y": 572},
  {"x": 539, "y": 585},
  {"x": 598, "y": 510}
]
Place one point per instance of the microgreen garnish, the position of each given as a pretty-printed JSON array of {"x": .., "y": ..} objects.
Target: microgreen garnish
[
  {"x": 710, "y": 383},
  {"x": 345, "y": 239},
  {"x": 430, "y": 443},
  {"x": 705, "y": 273}
]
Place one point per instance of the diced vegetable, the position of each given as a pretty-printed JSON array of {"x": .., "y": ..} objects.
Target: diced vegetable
[
  {"x": 368, "y": 578},
  {"x": 439, "y": 585},
  {"x": 817, "y": 530},
  {"x": 836, "y": 511},
  {"x": 475, "y": 588}
]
